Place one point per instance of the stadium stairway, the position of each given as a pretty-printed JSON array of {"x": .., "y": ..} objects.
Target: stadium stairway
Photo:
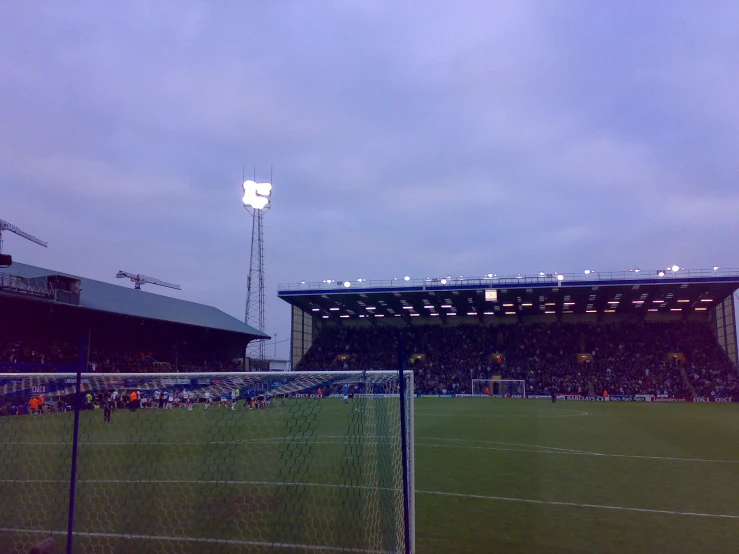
[
  {"x": 687, "y": 382},
  {"x": 591, "y": 389}
]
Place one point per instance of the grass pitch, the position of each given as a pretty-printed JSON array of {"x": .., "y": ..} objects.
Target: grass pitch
[
  {"x": 492, "y": 475},
  {"x": 532, "y": 476}
]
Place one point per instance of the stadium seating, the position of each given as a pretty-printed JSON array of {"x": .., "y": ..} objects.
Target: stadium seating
[
  {"x": 569, "y": 358},
  {"x": 620, "y": 358},
  {"x": 34, "y": 354}
]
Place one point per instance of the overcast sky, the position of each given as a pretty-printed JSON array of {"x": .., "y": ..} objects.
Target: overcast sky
[{"x": 419, "y": 138}]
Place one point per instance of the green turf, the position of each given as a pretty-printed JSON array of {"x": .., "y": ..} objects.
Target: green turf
[{"x": 604, "y": 477}]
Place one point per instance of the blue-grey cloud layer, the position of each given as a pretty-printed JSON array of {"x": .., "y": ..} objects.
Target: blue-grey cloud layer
[{"x": 407, "y": 138}]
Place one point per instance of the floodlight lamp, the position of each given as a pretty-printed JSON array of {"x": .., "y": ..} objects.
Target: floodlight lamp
[
  {"x": 587, "y": 272},
  {"x": 560, "y": 277},
  {"x": 443, "y": 281},
  {"x": 636, "y": 270},
  {"x": 715, "y": 268},
  {"x": 256, "y": 195},
  {"x": 347, "y": 284},
  {"x": 406, "y": 278},
  {"x": 541, "y": 274},
  {"x": 675, "y": 268},
  {"x": 661, "y": 273}
]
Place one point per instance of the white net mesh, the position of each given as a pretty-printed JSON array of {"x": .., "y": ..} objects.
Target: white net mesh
[{"x": 205, "y": 463}]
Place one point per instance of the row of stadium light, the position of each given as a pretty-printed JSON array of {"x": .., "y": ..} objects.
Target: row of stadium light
[
  {"x": 512, "y": 309},
  {"x": 560, "y": 276}
]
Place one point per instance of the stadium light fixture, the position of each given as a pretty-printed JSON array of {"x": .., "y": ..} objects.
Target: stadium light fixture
[
  {"x": 588, "y": 272},
  {"x": 406, "y": 278},
  {"x": 661, "y": 273},
  {"x": 560, "y": 277},
  {"x": 443, "y": 281},
  {"x": 541, "y": 274},
  {"x": 715, "y": 268},
  {"x": 256, "y": 195},
  {"x": 347, "y": 284},
  {"x": 636, "y": 270},
  {"x": 675, "y": 268}
]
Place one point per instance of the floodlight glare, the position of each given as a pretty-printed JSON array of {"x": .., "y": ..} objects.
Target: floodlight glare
[
  {"x": 443, "y": 281},
  {"x": 406, "y": 278},
  {"x": 675, "y": 268},
  {"x": 347, "y": 284},
  {"x": 587, "y": 272},
  {"x": 560, "y": 277},
  {"x": 636, "y": 270},
  {"x": 715, "y": 268},
  {"x": 256, "y": 195},
  {"x": 661, "y": 273},
  {"x": 541, "y": 274}
]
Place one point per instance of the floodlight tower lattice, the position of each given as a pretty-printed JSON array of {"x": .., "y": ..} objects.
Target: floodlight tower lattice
[{"x": 257, "y": 200}]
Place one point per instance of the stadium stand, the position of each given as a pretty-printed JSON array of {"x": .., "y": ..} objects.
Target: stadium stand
[
  {"x": 48, "y": 317},
  {"x": 578, "y": 358}
]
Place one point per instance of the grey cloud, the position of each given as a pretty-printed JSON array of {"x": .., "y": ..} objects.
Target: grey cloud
[{"x": 406, "y": 138}]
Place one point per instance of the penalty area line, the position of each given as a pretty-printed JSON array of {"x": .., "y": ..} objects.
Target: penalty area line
[{"x": 578, "y": 505}]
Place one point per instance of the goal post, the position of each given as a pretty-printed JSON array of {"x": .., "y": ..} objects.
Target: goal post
[
  {"x": 186, "y": 462},
  {"x": 499, "y": 387}
]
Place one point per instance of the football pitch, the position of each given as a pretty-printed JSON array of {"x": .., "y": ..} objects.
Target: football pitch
[{"x": 491, "y": 475}]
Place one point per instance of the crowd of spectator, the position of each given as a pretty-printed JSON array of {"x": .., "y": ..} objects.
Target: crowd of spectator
[
  {"x": 32, "y": 354},
  {"x": 679, "y": 358}
]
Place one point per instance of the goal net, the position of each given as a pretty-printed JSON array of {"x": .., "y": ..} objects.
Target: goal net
[
  {"x": 185, "y": 463},
  {"x": 498, "y": 387}
]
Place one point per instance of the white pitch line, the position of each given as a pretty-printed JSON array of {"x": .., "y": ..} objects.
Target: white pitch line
[
  {"x": 577, "y": 413},
  {"x": 579, "y": 453},
  {"x": 577, "y": 505},
  {"x": 350, "y": 441},
  {"x": 166, "y": 538},
  {"x": 202, "y": 482},
  {"x": 505, "y": 444}
]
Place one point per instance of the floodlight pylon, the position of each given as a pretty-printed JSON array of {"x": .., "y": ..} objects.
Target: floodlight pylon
[{"x": 257, "y": 200}]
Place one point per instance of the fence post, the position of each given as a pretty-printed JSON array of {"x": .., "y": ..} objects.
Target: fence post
[
  {"x": 82, "y": 359},
  {"x": 404, "y": 447}
]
